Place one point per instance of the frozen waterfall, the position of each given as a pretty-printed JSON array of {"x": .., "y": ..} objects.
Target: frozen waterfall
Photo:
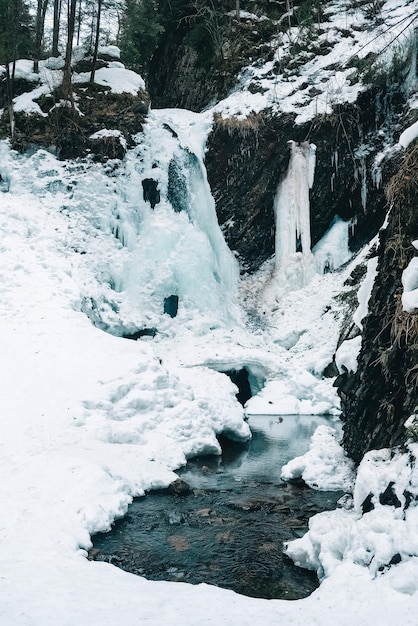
[
  {"x": 180, "y": 249},
  {"x": 294, "y": 265}
]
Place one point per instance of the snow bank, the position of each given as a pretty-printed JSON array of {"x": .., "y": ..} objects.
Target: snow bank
[
  {"x": 347, "y": 355},
  {"x": 408, "y": 135},
  {"x": 301, "y": 393},
  {"x": 115, "y": 76},
  {"x": 377, "y": 532},
  {"x": 410, "y": 285},
  {"x": 324, "y": 466},
  {"x": 348, "y": 34}
]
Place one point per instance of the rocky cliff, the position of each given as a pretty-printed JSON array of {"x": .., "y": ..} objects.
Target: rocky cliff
[{"x": 382, "y": 394}]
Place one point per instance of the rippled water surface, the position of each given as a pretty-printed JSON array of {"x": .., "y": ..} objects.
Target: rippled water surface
[{"x": 229, "y": 529}]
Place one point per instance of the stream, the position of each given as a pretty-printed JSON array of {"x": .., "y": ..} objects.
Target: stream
[{"x": 224, "y": 522}]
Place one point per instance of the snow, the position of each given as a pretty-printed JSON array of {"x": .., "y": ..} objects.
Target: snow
[
  {"x": 245, "y": 15},
  {"x": 112, "y": 51},
  {"x": 381, "y": 538},
  {"x": 364, "y": 292},
  {"x": 115, "y": 76},
  {"x": 408, "y": 135},
  {"x": 89, "y": 420},
  {"x": 303, "y": 394},
  {"x": 347, "y": 34},
  {"x": 347, "y": 354},
  {"x": 325, "y": 465},
  {"x": 410, "y": 286},
  {"x": 106, "y": 132}
]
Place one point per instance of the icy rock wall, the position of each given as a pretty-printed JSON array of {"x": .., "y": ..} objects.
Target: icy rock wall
[
  {"x": 245, "y": 162},
  {"x": 294, "y": 261}
]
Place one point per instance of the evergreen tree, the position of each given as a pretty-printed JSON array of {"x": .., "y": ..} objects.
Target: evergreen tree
[
  {"x": 16, "y": 31},
  {"x": 141, "y": 26},
  {"x": 16, "y": 40}
]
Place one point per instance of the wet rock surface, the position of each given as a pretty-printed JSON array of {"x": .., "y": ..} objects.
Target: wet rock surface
[{"x": 228, "y": 531}]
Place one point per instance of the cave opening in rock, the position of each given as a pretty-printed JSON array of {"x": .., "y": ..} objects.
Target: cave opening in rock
[{"x": 240, "y": 378}]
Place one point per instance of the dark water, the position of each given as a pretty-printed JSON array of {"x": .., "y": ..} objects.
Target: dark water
[{"x": 230, "y": 528}]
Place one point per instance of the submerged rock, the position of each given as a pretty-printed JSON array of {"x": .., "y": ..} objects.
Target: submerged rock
[{"x": 179, "y": 488}]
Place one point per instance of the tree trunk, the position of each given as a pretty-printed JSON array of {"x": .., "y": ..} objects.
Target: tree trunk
[
  {"x": 39, "y": 33},
  {"x": 66, "y": 81},
  {"x": 56, "y": 27},
  {"x": 9, "y": 87},
  {"x": 79, "y": 23},
  {"x": 96, "y": 40},
  {"x": 238, "y": 10}
]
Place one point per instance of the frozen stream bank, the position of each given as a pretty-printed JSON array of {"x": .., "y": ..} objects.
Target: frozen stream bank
[{"x": 229, "y": 528}]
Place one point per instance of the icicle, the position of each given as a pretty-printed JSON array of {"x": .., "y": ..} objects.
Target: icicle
[
  {"x": 353, "y": 224},
  {"x": 360, "y": 173},
  {"x": 377, "y": 175},
  {"x": 294, "y": 260},
  {"x": 334, "y": 159},
  {"x": 363, "y": 182}
]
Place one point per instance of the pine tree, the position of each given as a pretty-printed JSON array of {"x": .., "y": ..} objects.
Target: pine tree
[
  {"x": 16, "y": 40},
  {"x": 141, "y": 27}
]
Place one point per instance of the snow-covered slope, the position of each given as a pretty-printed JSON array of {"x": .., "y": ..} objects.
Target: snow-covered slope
[
  {"x": 318, "y": 66},
  {"x": 89, "y": 419}
]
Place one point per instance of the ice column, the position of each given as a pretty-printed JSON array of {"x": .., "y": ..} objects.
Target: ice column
[{"x": 294, "y": 265}]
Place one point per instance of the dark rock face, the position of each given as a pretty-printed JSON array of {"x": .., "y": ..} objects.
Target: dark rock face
[
  {"x": 177, "y": 79},
  {"x": 202, "y": 52},
  {"x": 381, "y": 395},
  {"x": 244, "y": 162},
  {"x": 246, "y": 159}
]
